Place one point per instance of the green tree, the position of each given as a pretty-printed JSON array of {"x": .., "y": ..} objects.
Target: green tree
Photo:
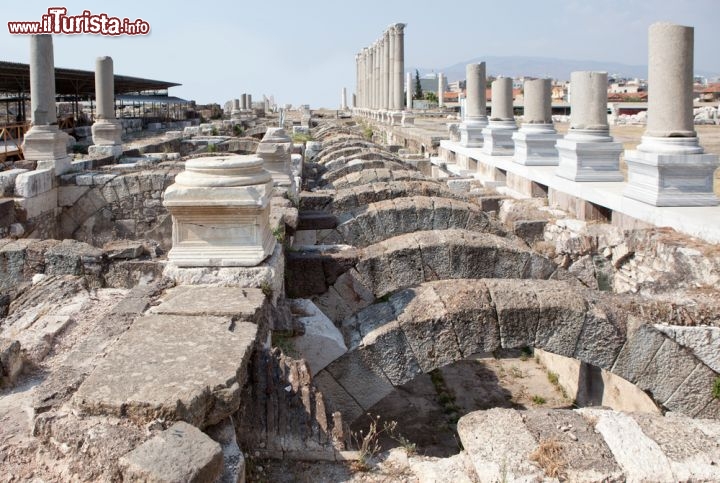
[
  {"x": 431, "y": 96},
  {"x": 418, "y": 87}
]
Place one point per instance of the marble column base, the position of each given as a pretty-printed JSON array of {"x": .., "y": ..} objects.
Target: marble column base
[
  {"x": 106, "y": 132},
  {"x": 48, "y": 146},
  {"x": 671, "y": 172},
  {"x": 535, "y": 145},
  {"x": 497, "y": 138},
  {"x": 220, "y": 209},
  {"x": 408, "y": 119},
  {"x": 396, "y": 118},
  {"x": 589, "y": 156},
  {"x": 471, "y": 132}
]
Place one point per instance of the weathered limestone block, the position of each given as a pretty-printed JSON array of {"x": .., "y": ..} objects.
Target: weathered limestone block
[
  {"x": 220, "y": 208},
  {"x": 457, "y": 468},
  {"x": 702, "y": 341},
  {"x": 176, "y": 367},
  {"x": 33, "y": 183},
  {"x": 432, "y": 338},
  {"x": 8, "y": 179},
  {"x": 640, "y": 458},
  {"x": 499, "y": 445},
  {"x": 361, "y": 375},
  {"x": 182, "y": 453},
  {"x": 583, "y": 454}
]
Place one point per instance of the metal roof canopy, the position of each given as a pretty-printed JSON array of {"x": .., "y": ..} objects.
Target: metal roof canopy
[{"x": 15, "y": 79}]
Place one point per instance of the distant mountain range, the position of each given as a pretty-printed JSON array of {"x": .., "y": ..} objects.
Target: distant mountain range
[{"x": 543, "y": 67}]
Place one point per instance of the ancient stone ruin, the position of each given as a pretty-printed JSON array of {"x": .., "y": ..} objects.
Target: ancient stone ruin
[{"x": 345, "y": 306}]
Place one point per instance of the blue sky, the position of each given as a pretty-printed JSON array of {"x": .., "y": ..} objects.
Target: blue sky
[{"x": 304, "y": 51}]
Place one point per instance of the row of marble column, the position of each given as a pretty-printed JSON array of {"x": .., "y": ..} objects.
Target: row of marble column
[
  {"x": 668, "y": 168},
  {"x": 380, "y": 69}
]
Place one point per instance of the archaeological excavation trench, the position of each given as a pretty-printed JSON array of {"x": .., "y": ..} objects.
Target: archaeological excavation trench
[{"x": 272, "y": 298}]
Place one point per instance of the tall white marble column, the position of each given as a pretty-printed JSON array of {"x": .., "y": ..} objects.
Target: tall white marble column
[
  {"x": 588, "y": 152},
  {"x": 386, "y": 66},
  {"x": 391, "y": 69},
  {"x": 497, "y": 136},
  {"x": 669, "y": 167},
  {"x": 535, "y": 141},
  {"x": 475, "y": 107},
  {"x": 44, "y": 142},
  {"x": 107, "y": 130},
  {"x": 399, "y": 65},
  {"x": 441, "y": 90},
  {"x": 343, "y": 100},
  {"x": 400, "y": 114}
]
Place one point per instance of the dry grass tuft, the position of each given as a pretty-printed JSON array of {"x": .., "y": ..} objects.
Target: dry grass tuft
[{"x": 549, "y": 455}]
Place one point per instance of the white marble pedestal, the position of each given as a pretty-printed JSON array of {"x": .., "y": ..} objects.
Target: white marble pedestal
[
  {"x": 588, "y": 156},
  {"x": 535, "y": 145},
  {"x": 220, "y": 208},
  {"x": 497, "y": 138},
  {"x": 671, "y": 172}
]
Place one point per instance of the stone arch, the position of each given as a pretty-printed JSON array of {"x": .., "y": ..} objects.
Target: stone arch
[
  {"x": 434, "y": 324},
  {"x": 356, "y": 196},
  {"x": 109, "y": 206},
  {"x": 360, "y": 164},
  {"x": 379, "y": 221},
  {"x": 345, "y": 148},
  {"x": 376, "y": 175},
  {"x": 345, "y": 151},
  {"x": 410, "y": 259},
  {"x": 335, "y": 131}
]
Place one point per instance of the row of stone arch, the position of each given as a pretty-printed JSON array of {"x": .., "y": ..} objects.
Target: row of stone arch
[{"x": 434, "y": 280}]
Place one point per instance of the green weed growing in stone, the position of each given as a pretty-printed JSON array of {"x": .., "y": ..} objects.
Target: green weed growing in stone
[
  {"x": 553, "y": 378},
  {"x": 538, "y": 400},
  {"x": 266, "y": 289},
  {"x": 716, "y": 388}
]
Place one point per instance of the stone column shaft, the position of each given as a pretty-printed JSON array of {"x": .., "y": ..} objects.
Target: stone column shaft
[
  {"x": 588, "y": 101},
  {"x": 476, "y": 105},
  {"x": 670, "y": 81},
  {"x": 391, "y": 69},
  {"x": 441, "y": 90},
  {"x": 538, "y": 97},
  {"x": 386, "y": 70},
  {"x": 502, "y": 100},
  {"x": 399, "y": 66},
  {"x": 42, "y": 81},
  {"x": 105, "y": 88}
]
